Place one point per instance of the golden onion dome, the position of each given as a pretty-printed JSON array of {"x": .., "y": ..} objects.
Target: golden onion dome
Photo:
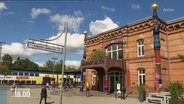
[
  {"x": 154, "y": 6},
  {"x": 85, "y": 33}
]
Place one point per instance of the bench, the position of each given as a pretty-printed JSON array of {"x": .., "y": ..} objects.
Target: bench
[{"x": 154, "y": 100}]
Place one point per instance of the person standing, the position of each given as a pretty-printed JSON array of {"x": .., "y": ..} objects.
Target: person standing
[{"x": 43, "y": 94}]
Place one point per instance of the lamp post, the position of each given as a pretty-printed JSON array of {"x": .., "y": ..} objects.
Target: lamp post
[
  {"x": 1, "y": 43},
  {"x": 158, "y": 79},
  {"x": 123, "y": 89},
  {"x": 63, "y": 64},
  {"x": 84, "y": 58}
]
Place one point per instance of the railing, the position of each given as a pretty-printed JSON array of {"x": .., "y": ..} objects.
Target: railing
[{"x": 105, "y": 63}]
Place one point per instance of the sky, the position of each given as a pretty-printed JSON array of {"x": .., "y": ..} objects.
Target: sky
[{"x": 21, "y": 20}]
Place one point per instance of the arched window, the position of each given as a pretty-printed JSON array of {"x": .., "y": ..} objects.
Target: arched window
[
  {"x": 141, "y": 76},
  {"x": 140, "y": 47},
  {"x": 114, "y": 51}
]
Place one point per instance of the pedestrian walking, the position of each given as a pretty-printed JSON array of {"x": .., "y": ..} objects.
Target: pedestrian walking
[
  {"x": 47, "y": 85},
  {"x": 43, "y": 94},
  {"x": 13, "y": 87},
  {"x": 87, "y": 89},
  {"x": 54, "y": 86}
]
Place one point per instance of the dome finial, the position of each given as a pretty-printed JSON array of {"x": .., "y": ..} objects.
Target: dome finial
[
  {"x": 154, "y": 6},
  {"x": 85, "y": 33}
]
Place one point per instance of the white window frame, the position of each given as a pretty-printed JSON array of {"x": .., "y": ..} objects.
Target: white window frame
[
  {"x": 140, "y": 45},
  {"x": 112, "y": 50},
  {"x": 141, "y": 73},
  {"x": 93, "y": 78}
]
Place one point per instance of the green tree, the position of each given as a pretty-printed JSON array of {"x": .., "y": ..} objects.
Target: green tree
[
  {"x": 4, "y": 70},
  {"x": 71, "y": 69},
  {"x": 49, "y": 65},
  {"x": 181, "y": 57},
  {"x": 25, "y": 64},
  {"x": 6, "y": 64},
  {"x": 97, "y": 55},
  {"x": 58, "y": 66},
  {"x": 176, "y": 92},
  {"x": 7, "y": 61}
]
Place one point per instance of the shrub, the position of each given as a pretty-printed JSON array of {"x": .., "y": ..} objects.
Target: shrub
[
  {"x": 175, "y": 90},
  {"x": 142, "y": 92},
  {"x": 142, "y": 88}
]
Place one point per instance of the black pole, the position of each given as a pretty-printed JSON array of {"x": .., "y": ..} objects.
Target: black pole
[{"x": 123, "y": 89}]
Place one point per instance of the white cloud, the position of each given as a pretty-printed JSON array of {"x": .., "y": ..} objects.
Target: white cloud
[
  {"x": 74, "y": 42},
  {"x": 102, "y": 25},
  {"x": 37, "y": 11},
  {"x": 20, "y": 50},
  {"x": 74, "y": 21},
  {"x": 74, "y": 45},
  {"x": 135, "y": 6},
  {"x": 3, "y": 6},
  {"x": 108, "y": 9},
  {"x": 40, "y": 64},
  {"x": 74, "y": 63}
]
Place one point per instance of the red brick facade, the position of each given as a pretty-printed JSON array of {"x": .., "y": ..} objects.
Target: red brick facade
[{"x": 171, "y": 39}]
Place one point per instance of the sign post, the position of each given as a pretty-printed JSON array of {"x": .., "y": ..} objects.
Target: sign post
[{"x": 51, "y": 47}]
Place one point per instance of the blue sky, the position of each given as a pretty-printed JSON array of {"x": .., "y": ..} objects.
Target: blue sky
[{"x": 44, "y": 19}]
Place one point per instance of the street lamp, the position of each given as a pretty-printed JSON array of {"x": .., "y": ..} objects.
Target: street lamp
[{"x": 123, "y": 89}]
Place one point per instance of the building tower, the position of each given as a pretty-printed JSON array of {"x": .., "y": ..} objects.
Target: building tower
[{"x": 158, "y": 79}]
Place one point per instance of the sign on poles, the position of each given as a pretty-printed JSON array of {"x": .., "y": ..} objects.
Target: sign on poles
[{"x": 45, "y": 45}]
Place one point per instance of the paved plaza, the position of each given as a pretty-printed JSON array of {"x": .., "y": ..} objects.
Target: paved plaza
[{"x": 72, "y": 96}]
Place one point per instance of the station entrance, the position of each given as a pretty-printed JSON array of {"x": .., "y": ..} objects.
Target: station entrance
[{"x": 114, "y": 78}]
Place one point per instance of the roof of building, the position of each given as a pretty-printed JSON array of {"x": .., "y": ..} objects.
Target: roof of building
[
  {"x": 137, "y": 22},
  {"x": 175, "y": 20}
]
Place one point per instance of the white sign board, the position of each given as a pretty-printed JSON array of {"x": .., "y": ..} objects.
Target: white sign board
[
  {"x": 44, "y": 45},
  {"x": 118, "y": 88}
]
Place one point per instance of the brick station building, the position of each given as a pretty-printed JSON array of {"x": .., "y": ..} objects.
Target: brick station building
[{"x": 138, "y": 56}]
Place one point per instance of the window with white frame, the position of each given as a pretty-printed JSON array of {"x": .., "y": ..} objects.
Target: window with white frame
[
  {"x": 141, "y": 76},
  {"x": 93, "y": 78},
  {"x": 140, "y": 47},
  {"x": 114, "y": 51}
]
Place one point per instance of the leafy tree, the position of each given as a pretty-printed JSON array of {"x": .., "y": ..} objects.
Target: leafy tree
[
  {"x": 71, "y": 69},
  {"x": 25, "y": 64},
  {"x": 97, "y": 55},
  {"x": 4, "y": 70},
  {"x": 6, "y": 65},
  {"x": 33, "y": 66},
  {"x": 176, "y": 92},
  {"x": 58, "y": 66},
  {"x": 7, "y": 61},
  {"x": 41, "y": 68},
  {"x": 49, "y": 65},
  {"x": 181, "y": 57}
]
